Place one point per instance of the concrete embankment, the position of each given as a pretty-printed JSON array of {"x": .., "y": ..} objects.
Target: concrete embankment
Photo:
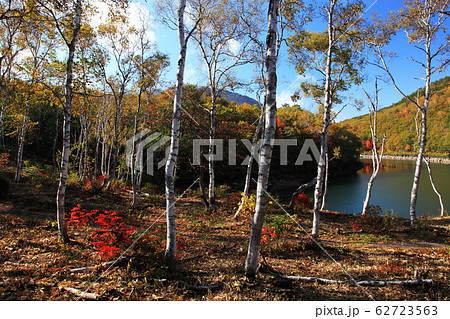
[{"x": 441, "y": 160}]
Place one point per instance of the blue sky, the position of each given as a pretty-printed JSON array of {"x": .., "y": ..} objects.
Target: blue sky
[{"x": 405, "y": 71}]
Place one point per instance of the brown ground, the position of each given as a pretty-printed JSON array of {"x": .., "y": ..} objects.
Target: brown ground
[{"x": 34, "y": 264}]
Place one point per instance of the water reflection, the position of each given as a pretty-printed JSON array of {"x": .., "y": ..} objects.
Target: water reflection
[{"x": 391, "y": 189}]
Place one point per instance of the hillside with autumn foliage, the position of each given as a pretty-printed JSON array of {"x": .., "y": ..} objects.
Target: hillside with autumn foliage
[{"x": 398, "y": 123}]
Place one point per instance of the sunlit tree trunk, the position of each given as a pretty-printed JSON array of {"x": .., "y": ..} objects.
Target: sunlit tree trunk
[
  {"x": 212, "y": 132},
  {"x": 61, "y": 194},
  {"x": 423, "y": 133},
  {"x": 441, "y": 203},
  {"x": 425, "y": 23},
  {"x": 325, "y": 183},
  {"x": 420, "y": 155},
  {"x": 251, "y": 263},
  {"x": 321, "y": 168},
  {"x": 174, "y": 141},
  {"x": 376, "y": 164},
  {"x": 134, "y": 158},
  {"x": 376, "y": 157},
  {"x": 55, "y": 140}
]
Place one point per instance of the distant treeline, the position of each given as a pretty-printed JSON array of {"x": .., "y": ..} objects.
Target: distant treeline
[{"x": 398, "y": 123}]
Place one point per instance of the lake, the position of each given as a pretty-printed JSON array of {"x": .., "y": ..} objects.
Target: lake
[{"x": 391, "y": 189}]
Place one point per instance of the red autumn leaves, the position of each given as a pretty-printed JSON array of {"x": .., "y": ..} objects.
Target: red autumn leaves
[{"x": 112, "y": 231}]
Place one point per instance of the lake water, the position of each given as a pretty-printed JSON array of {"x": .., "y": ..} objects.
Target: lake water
[{"x": 391, "y": 189}]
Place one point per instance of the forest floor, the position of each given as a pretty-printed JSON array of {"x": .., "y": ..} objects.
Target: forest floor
[{"x": 212, "y": 247}]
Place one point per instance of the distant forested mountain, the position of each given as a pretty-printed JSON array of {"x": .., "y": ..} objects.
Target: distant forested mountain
[
  {"x": 239, "y": 98},
  {"x": 398, "y": 122}
]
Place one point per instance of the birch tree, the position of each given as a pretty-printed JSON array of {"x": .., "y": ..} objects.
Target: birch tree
[
  {"x": 222, "y": 39},
  {"x": 122, "y": 51},
  {"x": 334, "y": 56},
  {"x": 376, "y": 156},
  {"x": 69, "y": 31},
  {"x": 425, "y": 24},
  {"x": 296, "y": 16},
  {"x": 174, "y": 138},
  {"x": 251, "y": 263}
]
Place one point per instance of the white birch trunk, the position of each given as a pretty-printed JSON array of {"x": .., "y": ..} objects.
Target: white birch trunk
[
  {"x": 134, "y": 159},
  {"x": 376, "y": 164},
  {"x": 55, "y": 140},
  {"x": 174, "y": 140},
  {"x": 423, "y": 135},
  {"x": 441, "y": 203},
  {"x": 376, "y": 158},
  {"x": 212, "y": 132},
  {"x": 61, "y": 194},
  {"x": 248, "y": 176},
  {"x": 325, "y": 186},
  {"x": 321, "y": 167},
  {"x": 251, "y": 263},
  {"x": 22, "y": 141}
]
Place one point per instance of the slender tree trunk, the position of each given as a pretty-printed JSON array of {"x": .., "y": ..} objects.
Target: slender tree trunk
[
  {"x": 22, "y": 141},
  {"x": 248, "y": 176},
  {"x": 441, "y": 203},
  {"x": 61, "y": 194},
  {"x": 84, "y": 158},
  {"x": 300, "y": 190},
  {"x": 174, "y": 141},
  {"x": 326, "y": 122},
  {"x": 212, "y": 132},
  {"x": 79, "y": 144},
  {"x": 325, "y": 184},
  {"x": 418, "y": 169},
  {"x": 2, "y": 132},
  {"x": 423, "y": 126},
  {"x": 376, "y": 157},
  {"x": 134, "y": 158},
  {"x": 251, "y": 263},
  {"x": 109, "y": 152},
  {"x": 55, "y": 140},
  {"x": 97, "y": 149},
  {"x": 201, "y": 187},
  {"x": 115, "y": 148},
  {"x": 376, "y": 164}
]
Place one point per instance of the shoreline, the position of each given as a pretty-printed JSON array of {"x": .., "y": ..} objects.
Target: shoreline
[{"x": 440, "y": 160}]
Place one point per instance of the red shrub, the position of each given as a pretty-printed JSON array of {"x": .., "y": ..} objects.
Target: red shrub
[
  {"x": 303, "y": 200},
  {"x": 111, "y": 234}
]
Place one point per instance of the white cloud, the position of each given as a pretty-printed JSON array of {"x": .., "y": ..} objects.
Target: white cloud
[
  {"x": 191, "y": 74},
  {"x": 234, "y": 46},
  {"x": 139, "y": 17}
]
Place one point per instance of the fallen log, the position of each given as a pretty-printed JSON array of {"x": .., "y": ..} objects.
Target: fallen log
[
  {"x": 82, "y": 294},
  {"x": 371, "y": 283},
  {"x": 112, "y": 263}
]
